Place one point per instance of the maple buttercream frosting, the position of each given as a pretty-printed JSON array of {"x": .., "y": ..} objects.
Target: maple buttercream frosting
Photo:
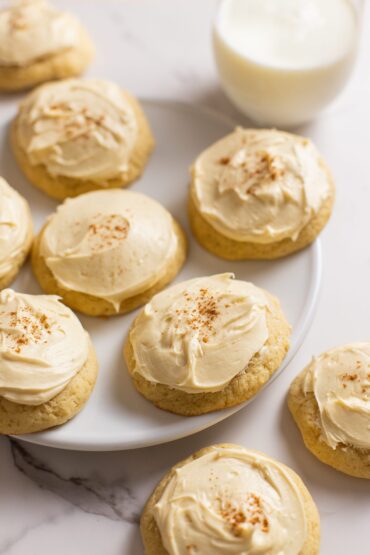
[
  {"x": 198, "y": 335},
  {"x": 111, "y": 245},
  {"x": 32, "y": 29},
  {"x": 42, "y": 347},
  {"x": 259, "y": 186},
  {"x": 15, "y": 227},
  {"x": 228, "y": 500},
  {"x": 78, "y": 129},
  {"x": 330, "y": 403},
  {"x": 340, "y": 382}
]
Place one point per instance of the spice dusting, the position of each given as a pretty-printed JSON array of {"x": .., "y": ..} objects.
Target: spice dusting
[
  {"x": 250, "y": 170},
  {"x": 224, "y": 161},
  {"x": 251, "y": 513},
  {"x": 27, "y": 327},
  {"x": 107, "y": 231},
  {"x": 263, "y": 166},
  {"x": 75, "y": 120},
  {"x": 347, "y": 378},
  {"x": 18, "y": 20},
  {"x": 199, "y": 313},
  {"x": 350, "y": 377},
  {"x": 18, "y": 23}
]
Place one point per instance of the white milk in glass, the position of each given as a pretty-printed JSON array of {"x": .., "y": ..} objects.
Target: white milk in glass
[{"x": 282, "y": 61}]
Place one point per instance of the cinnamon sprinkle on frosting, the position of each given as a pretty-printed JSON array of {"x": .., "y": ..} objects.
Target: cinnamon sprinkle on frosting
[
  {"x": 224, "y": 161},
  {"x": 27, "y": 327},
  {"x": 107, "y": 230},
  {"x": 83, "y": 129},
  {"x": 240, "y": 501},
  {"x": 183, "y": 335},
  {"x": 259, "y": 186},
  {"x": 31, "y": 30},
  {"x": 202, "y": 317},
  {"x": 350, "y": 377},
  {"x": 253, "y": 169},
  {"x": 42, "y": 347},
  {"x": 340, "y": 382},
  {"x": 251, "y": 513}
]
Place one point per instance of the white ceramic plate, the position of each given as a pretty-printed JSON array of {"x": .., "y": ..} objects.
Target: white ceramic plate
[{"x": 116, "y": 416}]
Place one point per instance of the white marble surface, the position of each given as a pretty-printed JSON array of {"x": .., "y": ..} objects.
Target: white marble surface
[{"x": 68, "y": 502}]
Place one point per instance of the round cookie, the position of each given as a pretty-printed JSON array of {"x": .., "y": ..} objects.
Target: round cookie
[
  {"x": 16, "y": 419},
  {"x": 221, "y": 500},
  {"x": 48, "y": 363},
  {"x": 206, "y": 344},
  {"x": 38, "y": 44},
  {"x": 108, "y": 252},
  {"x": 16, "y": 232},
  {"x": 330, "y": 403},
  {"x": 259, "y": 194},
  {"x": 75, "y": 136}
]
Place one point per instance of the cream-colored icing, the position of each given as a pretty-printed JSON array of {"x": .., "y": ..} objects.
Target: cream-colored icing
[
  {"x": 80, "y": 129},
  {"x": 199, "y": 334},
  {"x": 15, "y": 225},
  {"x": 260, "y": 186},
  {"x": 32, "y": 29},
  {"x": 231, "y": 501},
  {"x": 340, "y": 382},
  {"x": 111, "y": 244},
  {"x": 42, "y": 347}
]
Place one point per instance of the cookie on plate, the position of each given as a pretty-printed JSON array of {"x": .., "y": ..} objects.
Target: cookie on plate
[
  {"x": 39, "y": 43},
  {"x": 108, "y": 252},
  {"x": 75, "y": 136},
  {"x": 16, "y": 232},
  {"x": 330, "y": 402},
  {"x": 226, "y": 499},
  {"x": 48, "y": 363},
  {"x": 206, "y": 344},
  {"x": 259, "y": 193}
]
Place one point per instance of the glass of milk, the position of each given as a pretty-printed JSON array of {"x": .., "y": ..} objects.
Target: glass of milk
[{"x": 282, "y": 61}]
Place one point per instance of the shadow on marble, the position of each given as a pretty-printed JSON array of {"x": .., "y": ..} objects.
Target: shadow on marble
[{"x": 134, "y": 541}]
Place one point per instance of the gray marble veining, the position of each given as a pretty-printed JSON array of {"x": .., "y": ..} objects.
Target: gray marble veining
[{"x": 113, "y": 500}]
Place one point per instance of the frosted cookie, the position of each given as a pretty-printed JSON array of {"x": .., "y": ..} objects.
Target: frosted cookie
[
  {"x": 47, "y": 363},
  {"x": 206, "y": 344},
  {"x": 228, "y": 500},
  {"x": 16, "y": 232},
  {"x": 75, "y": 136},
  {"x": 107, "y": 252},
  {"x": 330, "y": 402},
  {"x": 259, "y": 194},
  {"x": 39, "y": 43}
]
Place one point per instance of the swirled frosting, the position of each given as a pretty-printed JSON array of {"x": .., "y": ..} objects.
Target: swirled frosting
[
  {"x": 260, "y": 186},
  {"x": 340, "y": 382},
  {"x": 42, "y": 347},
  {"x": 111, "y": 244},
  {"x": 32, "y": 29},
  {"x": 81, "y": 129},
  {"x": 231, "y": 501},
  {"x": 199, "y": 334},
  {"x": 15, "y": 224}
]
